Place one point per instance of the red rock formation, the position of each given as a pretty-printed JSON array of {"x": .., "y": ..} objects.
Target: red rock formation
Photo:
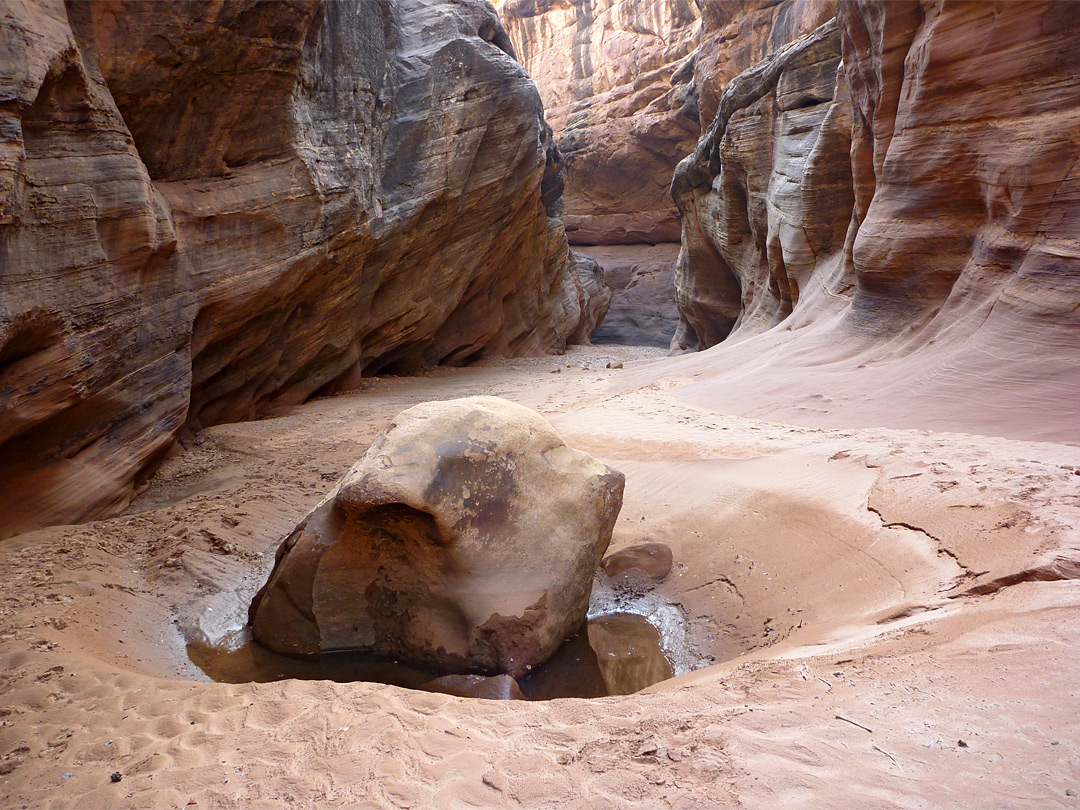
[
  {"x": 766, "y": 195},
  {"x": 642, "y": 282},
  {"x": 208, "y": 209},
  {"x": 954, "y": 298},
  {"x": 615, "y": 76},
  {"x": 737, "y": 34}
]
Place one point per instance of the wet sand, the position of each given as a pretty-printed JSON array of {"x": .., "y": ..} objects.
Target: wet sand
[{"x": 893, "y": 613}]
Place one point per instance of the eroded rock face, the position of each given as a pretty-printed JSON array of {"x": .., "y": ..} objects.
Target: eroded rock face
[
  {"x": 596, "y": 296},
  {"x": 465, "y": 538},
  {"x": 842, "y": 186},
  {"x": 616, "y": 77},
  {"x": 953, "y": 275},
  {"x": 766, "y": 196},
  {"x": 737, "y": 34},
  {"x": 210, "y": 209}
]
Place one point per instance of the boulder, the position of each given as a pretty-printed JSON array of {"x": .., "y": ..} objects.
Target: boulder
[
  {"x": 466, "y": 538},
  {"x": 645, "y": 562}
]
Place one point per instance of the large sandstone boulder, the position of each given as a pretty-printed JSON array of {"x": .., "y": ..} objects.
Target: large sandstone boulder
[
  {"x": 465, "y": 538},
  {"x": 209, "y": 209}
]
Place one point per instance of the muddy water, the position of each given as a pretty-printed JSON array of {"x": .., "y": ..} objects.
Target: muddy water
[{"x": 613, "y": 654}]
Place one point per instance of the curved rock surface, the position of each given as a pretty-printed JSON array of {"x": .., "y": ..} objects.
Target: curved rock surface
[
  {"x": 916, "y": 259},
  {"x": 207, "y": 210},
  {"x": 465, "y": 538},
  {"x": 737, "y": 34},
  {"x": 616, "y": 79}
]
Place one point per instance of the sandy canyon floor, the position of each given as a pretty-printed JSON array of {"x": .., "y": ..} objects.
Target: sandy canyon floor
[{"x": 893, "y": 617}]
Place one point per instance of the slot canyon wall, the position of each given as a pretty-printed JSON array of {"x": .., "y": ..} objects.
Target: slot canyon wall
[
  {"x": 881, "y": 225},
  {"x": 628, "y": 86},
  {"x": 616, "y": 77},
  {"x": 207, "y": 210}
]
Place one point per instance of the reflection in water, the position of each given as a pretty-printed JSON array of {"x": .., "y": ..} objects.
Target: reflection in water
[
  {"x": 628, "y": 651},
  {"x": 616, "y": 654}
]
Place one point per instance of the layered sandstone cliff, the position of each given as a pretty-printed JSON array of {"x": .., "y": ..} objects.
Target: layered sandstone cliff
[
  {"x": 616, "y": 77},
  {"x": 210, "y": 209},
  {"x": 622, "y": 80},
  {"x": 897, "y": 195}
]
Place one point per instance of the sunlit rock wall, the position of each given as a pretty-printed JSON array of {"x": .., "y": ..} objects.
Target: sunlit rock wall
[{"x": 616, "y": 77}]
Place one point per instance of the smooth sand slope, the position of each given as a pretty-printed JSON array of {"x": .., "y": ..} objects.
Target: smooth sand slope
[{"x": 891, "y": 613}]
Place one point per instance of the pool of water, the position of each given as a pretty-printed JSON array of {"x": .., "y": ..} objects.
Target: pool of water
[{"x": 614, "y": 653}]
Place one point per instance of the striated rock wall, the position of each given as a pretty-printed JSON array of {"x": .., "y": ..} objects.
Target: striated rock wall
[
  {"x": 766, "y": 196},
  {"x": 907, "y": 220},
  {"x": 209, "y": 209},
  {"x": 642, "y": 282},
  {"x": 616, "y": 77},
  {"x": 737, "y": 34}
]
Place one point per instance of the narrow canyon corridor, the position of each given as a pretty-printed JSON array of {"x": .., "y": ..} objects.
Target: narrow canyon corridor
[{"x": 805, "y": 272}]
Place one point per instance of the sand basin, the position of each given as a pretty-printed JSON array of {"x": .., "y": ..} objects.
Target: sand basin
[{"x": 879, "y": 617}]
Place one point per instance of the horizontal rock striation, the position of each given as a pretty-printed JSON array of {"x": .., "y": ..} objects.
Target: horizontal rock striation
[
  {"x": 766, "y": 195},
  {"x": 210, "y": 209},
  {"x": 897, "y": 194},
  {"x": 737, "y": 34},
  {"x": 616, "y": 77}
]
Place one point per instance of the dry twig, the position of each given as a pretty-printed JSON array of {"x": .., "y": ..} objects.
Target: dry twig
[
  {"x": 849, "y": 720},
  {"x": 890, "y": 756}
]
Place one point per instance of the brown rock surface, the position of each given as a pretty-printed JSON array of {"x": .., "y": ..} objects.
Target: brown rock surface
[
  {"x": 207, "y": 210},
  {"x": 651, "y": 560},
  {"x": 959, "y": 279},
  {"x": 642, "y": 281},
  {"x": 465, "y": 538},
  {"x": 616, "y": 79},
  {"x": 766, "y": 195},
  {"x": 737, "y": 34}
]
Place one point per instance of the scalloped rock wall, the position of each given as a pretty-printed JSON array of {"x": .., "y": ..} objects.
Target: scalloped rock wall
[{"x": 207, "y": 210}]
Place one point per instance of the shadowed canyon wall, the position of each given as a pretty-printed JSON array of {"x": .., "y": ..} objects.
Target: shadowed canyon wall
[
  {"x": 209, "y": 209},
  {"x": 884, "y": 214}
]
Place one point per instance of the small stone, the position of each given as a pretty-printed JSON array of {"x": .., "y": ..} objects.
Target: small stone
[
  {"x": 962, "y": 744},
  {"x": 614, "y": 364},
  {"x": 646, "y": 561},
  {"x": 116, "y": 776}
]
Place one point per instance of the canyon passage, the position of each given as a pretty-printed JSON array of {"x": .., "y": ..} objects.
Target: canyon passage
[{"x": 806, "y": 273}]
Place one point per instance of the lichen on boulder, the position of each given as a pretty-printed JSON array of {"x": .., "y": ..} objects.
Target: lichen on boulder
[{"x": 466, "y": 539}]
